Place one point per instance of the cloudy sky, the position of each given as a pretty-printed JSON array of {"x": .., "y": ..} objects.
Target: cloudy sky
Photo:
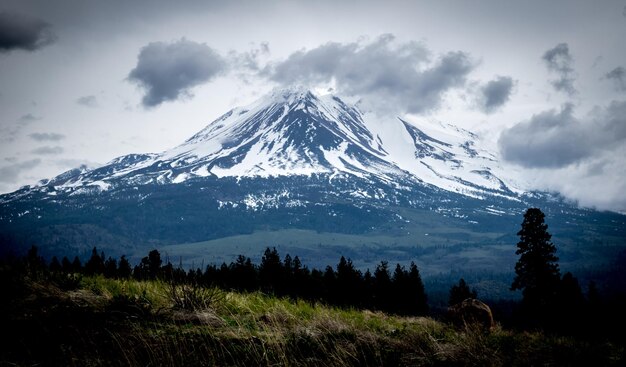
[{"x": 82, "y": 82}]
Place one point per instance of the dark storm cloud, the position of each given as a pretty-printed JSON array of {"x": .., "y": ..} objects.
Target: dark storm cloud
[
  {"x": 618, "y": 76},
  {"x": 560, "y": 62},
  {"x": 384, "y": 71},
  {"x": 87, "y": 101},
  {"x": 46, "y": 136},
  {"x": 554, "y": 139},
  {"x": 11, "y": 173},
  {"x": 19, "y": 31},
  {"x": 47, "y": 150},
  {"x": 168, "y": 71},
  {"x": 495, "y": 94}
]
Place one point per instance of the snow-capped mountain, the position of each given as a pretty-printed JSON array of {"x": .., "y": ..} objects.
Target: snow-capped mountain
[
  {"x": 297, "y": 161},
  {"x": 295, "y": 132}
]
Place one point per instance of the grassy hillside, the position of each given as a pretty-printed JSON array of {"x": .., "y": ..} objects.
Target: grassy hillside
[
  {"x": 319, "y": 249},
  {"x": 93, "y": 321}
]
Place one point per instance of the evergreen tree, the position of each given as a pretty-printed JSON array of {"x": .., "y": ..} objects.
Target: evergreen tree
[
  {"x": 348, "y": 283},
  {"x": 138, "y": 273},
  {"x": 382, "y": 287},
  {"x": 570, "y": 292},
  {"x": 460, "y": 292},
  {"x": 179, "y": 275},
  {"x": 288, "y": 264},
  {"x": 77, "y": 266},
  {"x": 297, "y": 264},
  {"x": 55, "y": 266},
  {"x": 593, "y": 296},
  {"x": 110, "y": 268},
  {"x": 570, "y": 304},
  {"x": 223, "y": 276},
  {"x": 400, "y": 292},
  {"x": 330, "y": 281},
  {"x": 95, "y": 264},
  {"x": 270, "y": 271},
  {"x": 151, "y": 265},
  {"x": 368, "y": 289},
  {"x": 167, "y": 271},
  {"x": 288, "y": 287},
  {"x": 124, "y": 270},
  {"x": 316, "y": 289},
  {"x": 209, "y": 277},
  {"x": 536, "y": 271},
  {"x": 244, "y": 274},
  {"x": 417, "y": 290},
  {"x": 66, "y": 265},
  {"x": 35, "y": 263},
  {"x": 304, "y": 287},
  {"x": 594, "y": 310}
]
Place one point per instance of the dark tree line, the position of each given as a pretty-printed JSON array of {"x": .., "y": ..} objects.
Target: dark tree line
[{"x": 400, "y": 292}]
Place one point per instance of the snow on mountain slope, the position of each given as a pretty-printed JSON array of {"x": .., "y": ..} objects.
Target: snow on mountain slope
[
  {"x": 290, "y": 132},
  {"x": 444, "y": 156},
  {"x": 295, "y": 132}
]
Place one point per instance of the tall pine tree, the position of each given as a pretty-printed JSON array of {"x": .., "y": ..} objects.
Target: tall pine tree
[{"x": 537, "y": 271}]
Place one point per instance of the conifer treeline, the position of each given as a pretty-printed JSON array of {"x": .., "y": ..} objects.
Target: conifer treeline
[{"x": 400, "y": 291}]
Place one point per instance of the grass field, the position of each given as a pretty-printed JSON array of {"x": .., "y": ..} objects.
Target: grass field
[{"x": 127, "y": 322}]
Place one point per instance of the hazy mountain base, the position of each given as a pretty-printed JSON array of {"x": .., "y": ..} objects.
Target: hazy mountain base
[
  {"x": 214, "y": 220},
  {"x": 213, "y": 208},
  {"x": 116, "y": 322}
]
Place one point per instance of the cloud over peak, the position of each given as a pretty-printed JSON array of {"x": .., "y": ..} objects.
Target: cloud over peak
[
  {"x": 384, "y": 72},
  {"x": 168, "y": 71},
  {"x": 22, "y": 32},
  {"x": 399, "y": 76}
]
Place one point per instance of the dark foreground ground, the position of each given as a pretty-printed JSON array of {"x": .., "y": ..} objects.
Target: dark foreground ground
[{"x": 94, "y": 321}]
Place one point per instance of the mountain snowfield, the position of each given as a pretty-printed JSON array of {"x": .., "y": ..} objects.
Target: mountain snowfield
[{"x": 295, "y": 132}]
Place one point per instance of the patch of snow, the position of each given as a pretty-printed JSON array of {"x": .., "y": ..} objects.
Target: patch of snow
[
  {"x": 180, "y": 178},
  {"x": 103, "y": 186}
]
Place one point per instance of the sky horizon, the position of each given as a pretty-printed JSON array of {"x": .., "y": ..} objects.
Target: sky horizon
[{"x": 83, "y": 82}]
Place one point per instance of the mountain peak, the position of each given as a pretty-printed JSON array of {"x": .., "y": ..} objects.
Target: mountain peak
[
  {"x": 295, "y": 91},
  {"x": 289, "y": 95},
  {"x": 294, "y": 132}
]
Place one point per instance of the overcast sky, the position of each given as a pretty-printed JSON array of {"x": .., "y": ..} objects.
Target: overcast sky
[{"x": 82, "y": 82}]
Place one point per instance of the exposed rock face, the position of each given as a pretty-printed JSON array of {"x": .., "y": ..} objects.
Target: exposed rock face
[{"x": 471, "y": 312}]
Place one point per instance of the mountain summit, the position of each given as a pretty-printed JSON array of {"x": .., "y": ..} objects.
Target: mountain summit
[{"x": 293, "y": 132}]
